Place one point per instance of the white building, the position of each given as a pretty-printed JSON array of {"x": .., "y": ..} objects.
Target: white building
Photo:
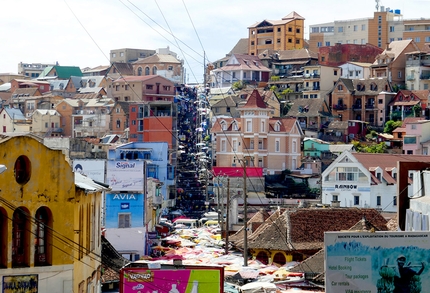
[{"x": 364, "y": 180}]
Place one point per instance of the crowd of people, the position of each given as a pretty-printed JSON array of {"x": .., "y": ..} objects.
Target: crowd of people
[{"x": 194, "y": 153}]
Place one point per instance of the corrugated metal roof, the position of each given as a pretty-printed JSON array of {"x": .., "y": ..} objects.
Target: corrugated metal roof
[{"x": 88, "y": 184}]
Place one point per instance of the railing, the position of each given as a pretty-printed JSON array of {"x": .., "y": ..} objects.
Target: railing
[
  {"x": 357, "y": 107},
  {"x": 370, "y": 107},
  {"x": 410, "y": 77},
  {"x": 340, "y": 107},
  {"x": 425, "y": 76}
]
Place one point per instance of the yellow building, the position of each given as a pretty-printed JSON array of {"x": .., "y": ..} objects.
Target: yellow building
[
  {"x": 284, "y": 34},
  {"x": 50, "y": 221}
]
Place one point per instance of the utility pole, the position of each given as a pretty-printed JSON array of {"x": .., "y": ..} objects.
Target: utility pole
[
  {"x": 245, "y": 218},
  {"x": 218, "y": 204},
  {"x": 227, "y": 229}
]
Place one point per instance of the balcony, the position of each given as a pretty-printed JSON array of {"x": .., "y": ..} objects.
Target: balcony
[
  {"x": 370, "y": 107},
  {"x": 410, "y": 77},
  {"x": 425, "y": 76},
  {"x": 357, "y": 107},
  {"x": 339, "y": 107}
]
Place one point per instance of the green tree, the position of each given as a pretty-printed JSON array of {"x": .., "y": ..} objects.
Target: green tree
[
  {"x": 274, "y": 88},
  {"x": 376, "y": 148},
  {"x": 391, "y": 125},
  {"x": 416, "y": 110},
  {"x": 238, "y": 85}
]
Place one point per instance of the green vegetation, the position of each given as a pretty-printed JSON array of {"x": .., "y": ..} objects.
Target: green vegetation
[
  {"x": 238, "y": 85},
  {"x": 391, "y": 125},
  {"x": 369, "y": 148}
]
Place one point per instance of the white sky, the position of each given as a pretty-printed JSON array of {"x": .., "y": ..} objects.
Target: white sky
[{"x": 82, "y": 32}]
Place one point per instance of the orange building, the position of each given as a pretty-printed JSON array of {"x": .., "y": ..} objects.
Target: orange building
[
  {"x": 153, "y": 122},
  {"x": 284, "y": 34}
]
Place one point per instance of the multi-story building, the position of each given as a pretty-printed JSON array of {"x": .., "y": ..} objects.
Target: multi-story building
[
  {"x": 128, "y": 168},
  {"x": 284, "y": 34},
  {"x": 13, "y": 120},
  {"x": 355, "y": 70},
  {"x": 361, "y": 99},
  {"x": 153, "y": 122},
  {"x": 46, "y": 123},
  {"x": 416, "y": 140},
  {"x": 142, "y": 88},
  {"x": 32, "y": 70},
  {"x": 128, "y": 55},
  {"x": 409, "y": 104},
  {"x": 318, "y": 80},
  {"x": 392, "y": 62},
  {"x": 365, "y": 180},
  {"x": 243, "y": 68},
  {"x": 339, "y": 54},
  {"x": 51, "y": 231},
  {"x": 384, "y": 27},
  {"x": 166, "y": 65},
  {"x": 417, "y": 70},
  {"x": 270, "y": 143}
]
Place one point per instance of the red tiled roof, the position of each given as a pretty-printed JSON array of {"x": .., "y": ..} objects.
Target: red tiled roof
[{"x": 255, "y": 101}]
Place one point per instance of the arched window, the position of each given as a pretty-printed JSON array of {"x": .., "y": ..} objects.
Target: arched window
[
  {"x": 3, "y": 237},
  {"x": 20, "y": 238},
  {"x": 154, "y": 70},
  {"x": 42, "y": 255},
  {"x": 139, "y": 71},
  {"x": 146, "y": 70}
]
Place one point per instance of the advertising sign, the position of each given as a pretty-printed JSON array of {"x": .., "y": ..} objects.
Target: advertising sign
[
  {"x": 196, "y": 280},
  {"x": 94, "y": 169},
  {"x": 20, "y": 283},
  {"x": 363, "y": 262},
  {"x": 125, "y": 175}
]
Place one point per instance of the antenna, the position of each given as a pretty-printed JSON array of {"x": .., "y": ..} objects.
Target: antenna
[{"x": 377, "y": 5}]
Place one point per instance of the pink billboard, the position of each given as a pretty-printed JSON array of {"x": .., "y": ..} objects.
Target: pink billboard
[{"x": 189, "y": 280}]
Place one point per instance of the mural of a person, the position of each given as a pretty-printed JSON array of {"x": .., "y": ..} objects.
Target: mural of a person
[{"x": 407, "y": 278}]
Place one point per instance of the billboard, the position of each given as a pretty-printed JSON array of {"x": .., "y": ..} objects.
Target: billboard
[
  {"x": 363, "y": 262},
  {"x": 94, "y": 169},
  {"x": 20, "y": 283},
  {"x": 125, "y": 175},
  {"x": 187, "y": 280}
]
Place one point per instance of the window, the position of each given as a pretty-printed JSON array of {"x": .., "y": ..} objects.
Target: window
[
  {"x": 277, "y": 127},
  {"x": 278, "y": 41},
  {"x": 268, "y": 42},
  {"x": 118, "y": 123},
  {"x": 327, "y": 44},
  {"x": 297, "y": 30},
  {"x": 319, "y": 44},
  {"x": 335, "y": 198},
  {"x": 297, "y": 41},
  {"x": 277, "y": 145},
  {"x": 340, "y": 87},
  {"x": 417, "y": 39},
  {"x": 315, "y": 30},
  {"x": 391, "y": 29},
  {"x": 279, "y": 29},
  {"x": 340, "y": 29},
  {"x": 260, "y": 145},
  {"x": 378, "y": 200},
  {"x": 113, "y": 55},
  {"x": 363, "y": 27},
  {"x": 355, "y": 28},
  {"x": 363, "y": 41},
  {"x": 248, "y": 126},
  {"x": 394, "y": 200},
  {"x": 234, "y": 145},
  {"x": 294, "y": 146},
  {"x": 41, "y": 253},
  {"x": 290, "y": 29},
  {"x": 20, "y": 238},
  {"x": 170, "y": 68},
  {"x": 223, "y": 145},
  {"x": 22, "y": 170},
  {"x": 154, "y": 70},
  {"x": 290, "y": 40},
  {"x": 334, "y": 72},
  {"x": 146, "y": 70},
  {"x": 149, "y": 86},
  {"x": 427, "y": 39},
  {"x": 399, "y": 74},
  {"x": 252, "y": 43},
  {"x": 124, "y": 220},
  {"x": 356, "y": 200},
  {"x": 263, "y": 126}
]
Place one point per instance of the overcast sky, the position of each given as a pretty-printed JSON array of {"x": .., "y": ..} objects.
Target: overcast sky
[{"x": 82, "y": 32}]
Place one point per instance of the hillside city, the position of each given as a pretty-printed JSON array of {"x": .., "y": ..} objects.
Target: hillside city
[{"x": 298, "y": 165}]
